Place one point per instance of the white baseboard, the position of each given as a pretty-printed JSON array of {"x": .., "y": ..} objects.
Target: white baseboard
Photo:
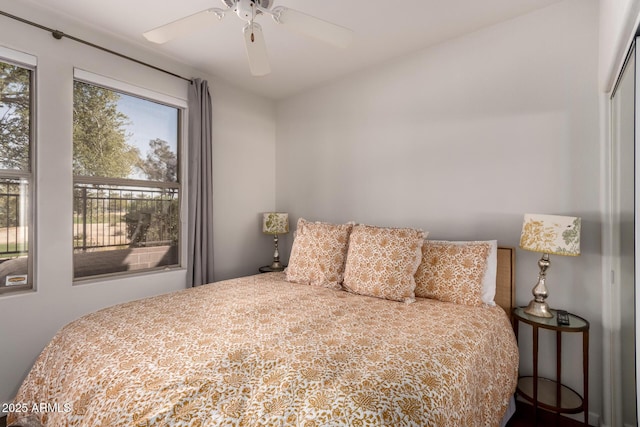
[{"x": 594, "y": 419}]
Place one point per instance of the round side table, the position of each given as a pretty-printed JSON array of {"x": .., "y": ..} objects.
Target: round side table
[{"x": 546, "y": 393}]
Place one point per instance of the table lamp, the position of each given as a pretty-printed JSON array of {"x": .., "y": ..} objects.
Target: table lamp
[
  {"x": 275, "y": 223},
  {"x": 549, "y": 234}
]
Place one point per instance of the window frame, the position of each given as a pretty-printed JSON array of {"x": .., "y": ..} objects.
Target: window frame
[
  {"x": 80, "y": 75},
  {"x": 28, "y": 62}
]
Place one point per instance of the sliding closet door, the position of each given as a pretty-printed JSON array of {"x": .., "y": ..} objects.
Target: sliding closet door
[{"x": 625, "y": 130}]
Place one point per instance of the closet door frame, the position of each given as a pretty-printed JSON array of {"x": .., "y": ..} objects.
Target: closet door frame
[{"x": 624, "y": 214}]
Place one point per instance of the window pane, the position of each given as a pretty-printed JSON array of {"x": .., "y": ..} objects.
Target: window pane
[
  {"x": 15, "y": 117},
  {"x": 116, "y": 135},
  {"x": 14, "y": 234},
  {"x": 15, "y": 177},
  {"x": 153, "y": 130},
  {"x": 126, "y": 191},
  {"x": 124, "y": 228}
]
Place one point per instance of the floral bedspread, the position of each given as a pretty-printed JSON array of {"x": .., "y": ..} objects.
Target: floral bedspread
[{"x": 259, "y": 351}]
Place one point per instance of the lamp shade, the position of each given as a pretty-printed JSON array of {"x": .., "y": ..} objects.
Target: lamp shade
[
  {"x": 551, "y": 234},
  {"x": 275, "y": 223}
]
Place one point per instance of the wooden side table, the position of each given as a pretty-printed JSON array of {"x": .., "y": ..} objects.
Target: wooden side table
[{"x": 549, "y": 394}]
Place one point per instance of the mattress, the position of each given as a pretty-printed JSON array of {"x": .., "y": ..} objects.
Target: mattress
[{"x": 260, "y": 351}]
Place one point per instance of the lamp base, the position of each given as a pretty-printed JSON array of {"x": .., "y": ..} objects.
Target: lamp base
[
  {"x": 538, "y": 309},
  {"x": 276, "y": 266},
  {"x": 538, "y": 306}
]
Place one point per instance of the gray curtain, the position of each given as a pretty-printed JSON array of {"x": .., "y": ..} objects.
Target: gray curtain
[{"x": 200, "y": 186}]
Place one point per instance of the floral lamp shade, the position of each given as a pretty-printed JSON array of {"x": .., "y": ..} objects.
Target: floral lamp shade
[
  {"x": 275, "y": 223},
  {"x": 551, "y": 234}
]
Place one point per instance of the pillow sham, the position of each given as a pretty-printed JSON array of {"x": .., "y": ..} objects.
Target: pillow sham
[
  {"x": 382, "y": 262},
  {"x": 318, "y": 254},
  {"x": 456, "y": 272}
]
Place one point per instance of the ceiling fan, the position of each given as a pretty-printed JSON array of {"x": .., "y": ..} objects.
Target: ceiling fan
[{"x": 248, "y": 10}]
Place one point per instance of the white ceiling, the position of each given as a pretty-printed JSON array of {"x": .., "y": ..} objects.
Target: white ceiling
[{"x": 383, "y": 30}]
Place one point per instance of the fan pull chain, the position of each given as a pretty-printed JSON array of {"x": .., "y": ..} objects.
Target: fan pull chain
[{"x": 253, "y": 16}]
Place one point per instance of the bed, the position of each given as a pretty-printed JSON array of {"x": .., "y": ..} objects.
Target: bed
[{"x": 263, "y": 350}]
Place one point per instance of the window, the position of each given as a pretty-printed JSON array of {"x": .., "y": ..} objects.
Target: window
[
  {"x": 126, "y": 207},
  {"x": 16, "y": 140}
]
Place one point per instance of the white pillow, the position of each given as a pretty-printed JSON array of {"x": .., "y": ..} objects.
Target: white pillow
[{"x": 490, "y": 275}]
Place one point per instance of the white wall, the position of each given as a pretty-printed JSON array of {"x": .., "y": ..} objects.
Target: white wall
[
  {"x": 244, "y": 164},
  {"x": 244, "y": 180},
  {"x": 461, "y": 140}
]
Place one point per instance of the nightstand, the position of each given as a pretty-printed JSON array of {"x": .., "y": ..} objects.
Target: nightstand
[
  {"x": 549, "y": 394},
  {"x": 269, "y": 269}
]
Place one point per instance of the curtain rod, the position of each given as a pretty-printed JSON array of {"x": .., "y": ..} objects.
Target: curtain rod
[{"x": 57, "y": 34}]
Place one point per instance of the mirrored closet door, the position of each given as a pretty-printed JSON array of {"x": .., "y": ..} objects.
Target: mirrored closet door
[{"x": 625, "y": 128}]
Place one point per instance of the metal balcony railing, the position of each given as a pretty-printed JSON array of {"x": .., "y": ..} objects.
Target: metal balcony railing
[
  {"x": 104, "y": 217},
  {"x": 14, "y": 235},
  {"x": 109, "y": 216}
]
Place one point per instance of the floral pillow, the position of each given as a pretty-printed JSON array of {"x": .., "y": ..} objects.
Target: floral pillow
[
  {"x": 381, "y": 262},
  {"x": 318, "y": 254},
  {"x": 453, "y": 271}
]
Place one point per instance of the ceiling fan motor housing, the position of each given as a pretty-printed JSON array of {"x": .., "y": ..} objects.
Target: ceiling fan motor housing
[{"x": 245, "y": 8}]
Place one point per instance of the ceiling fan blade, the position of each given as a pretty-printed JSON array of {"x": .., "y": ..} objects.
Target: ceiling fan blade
[
  {"x": 313, "y": 27},
  {"x": 184, "y": 26},
  {"x": 256, "y": 50}
]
